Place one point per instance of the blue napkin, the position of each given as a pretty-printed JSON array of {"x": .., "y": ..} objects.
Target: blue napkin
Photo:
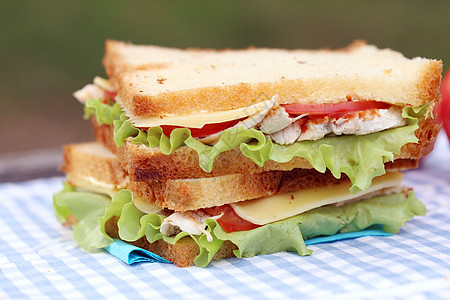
[
  {"x": 371, "y": 231},
  {"x": 131, "y": 254}
]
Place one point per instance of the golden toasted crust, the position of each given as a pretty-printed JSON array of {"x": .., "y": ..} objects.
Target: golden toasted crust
[
  {"x": 429, "y": 85},
  {"x": 119, "y": 58},
  {"x": 427, "y": 134},
  {"x": 91, "y": 166},
  {"x": 190, "y": 194},
  {"x": 143, "y": 163},
  {"x": 92, "y": 161},
  {"x": 154, "y": 80}
]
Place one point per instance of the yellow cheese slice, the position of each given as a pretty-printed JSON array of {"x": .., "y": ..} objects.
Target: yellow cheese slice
[
  {"x": 278, "y": 207},
  {"x": 92, "y": 184},
  {"x": 143, "y": 205},
  {"x": 198, "y": 120}
]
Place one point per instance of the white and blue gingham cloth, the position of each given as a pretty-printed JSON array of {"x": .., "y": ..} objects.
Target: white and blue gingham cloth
[{"x": 39, "y": 258}]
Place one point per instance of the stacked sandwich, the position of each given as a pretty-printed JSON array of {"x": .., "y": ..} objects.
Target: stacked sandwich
[{"x": 204, "y": 154}]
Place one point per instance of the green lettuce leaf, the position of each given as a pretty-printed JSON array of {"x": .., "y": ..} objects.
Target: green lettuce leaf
[
  {"x": 123, "y": 129},
  {"x": 360, "y": 157},
  {"x": 104, "y": 113},
  {"x": 93, "y": 210},
  {"x": 86, "y": 208}
]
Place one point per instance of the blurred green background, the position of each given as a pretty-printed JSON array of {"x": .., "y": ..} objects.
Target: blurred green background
[{"x": 48, "y": 49}]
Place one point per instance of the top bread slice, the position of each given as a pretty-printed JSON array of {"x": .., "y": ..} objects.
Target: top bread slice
[{"x": 158, "y": 81}]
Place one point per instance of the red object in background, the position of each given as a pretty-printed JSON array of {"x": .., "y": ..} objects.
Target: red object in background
[{"x": 443, "y": 108}]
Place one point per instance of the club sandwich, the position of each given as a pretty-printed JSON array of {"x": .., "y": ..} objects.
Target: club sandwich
[{"x": 204, "y": 154}]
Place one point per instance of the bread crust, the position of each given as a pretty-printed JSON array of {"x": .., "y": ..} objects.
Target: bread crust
[
  {"x": 190, "y": 194},
  {"x": 90, "y": 164},
  {"x": 156, "y": 81},
  {"x": 143, "y": 163},
  {"x": 121, "y": 56},
  {"x": 193, "y": 194},
  {"x": 184, "y": 195}
]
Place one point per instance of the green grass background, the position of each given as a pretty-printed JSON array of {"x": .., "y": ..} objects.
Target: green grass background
[{"x": 50, "y": 48}]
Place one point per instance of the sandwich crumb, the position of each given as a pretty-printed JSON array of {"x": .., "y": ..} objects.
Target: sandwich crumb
[{"x": 161, "y": 80}]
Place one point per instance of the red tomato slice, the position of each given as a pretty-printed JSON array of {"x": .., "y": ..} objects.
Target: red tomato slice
[
  {"x": 206, "y": 130},
  {"x": 109, "y": 96},
  {"x": 230, "y": 221},
  {"x": 325, "y": 109}
]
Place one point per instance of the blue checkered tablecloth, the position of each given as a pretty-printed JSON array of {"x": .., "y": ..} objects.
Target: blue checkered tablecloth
[{"x": 39, "y": 258}]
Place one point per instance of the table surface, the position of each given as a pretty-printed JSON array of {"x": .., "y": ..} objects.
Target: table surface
[{"x": 39, "y": 259}]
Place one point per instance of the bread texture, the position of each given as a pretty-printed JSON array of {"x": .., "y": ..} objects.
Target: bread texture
[
  {"x": 92, "y": 166},
  {"x": 143, "y": 163},
  {"x": 190, "y": 194},
  {"x": 92, "y": 161},
  {"x": 121, "y": 57},
  {"x": 158, "y": 81}
]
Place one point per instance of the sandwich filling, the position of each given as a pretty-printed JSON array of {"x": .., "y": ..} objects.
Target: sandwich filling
[
  {"x": 355, "y": 138},
  {"x": 387, "y": 205},
  {"x": 284, "y": 124}
]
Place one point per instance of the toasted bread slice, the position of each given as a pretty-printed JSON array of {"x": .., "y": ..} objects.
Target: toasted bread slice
[
  {"x": 92, "y": 166},
  {"x": 143, "y": 163},
  {"x": 157, "y": 81},
  {"x": 121, "y": 57},
  {"x": 93, "y": 162}
]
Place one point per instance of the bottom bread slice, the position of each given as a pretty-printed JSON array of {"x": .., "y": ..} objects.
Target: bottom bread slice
[
  {"x": 388, "y": 208},
  {"x": 182, "y": 253}
]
